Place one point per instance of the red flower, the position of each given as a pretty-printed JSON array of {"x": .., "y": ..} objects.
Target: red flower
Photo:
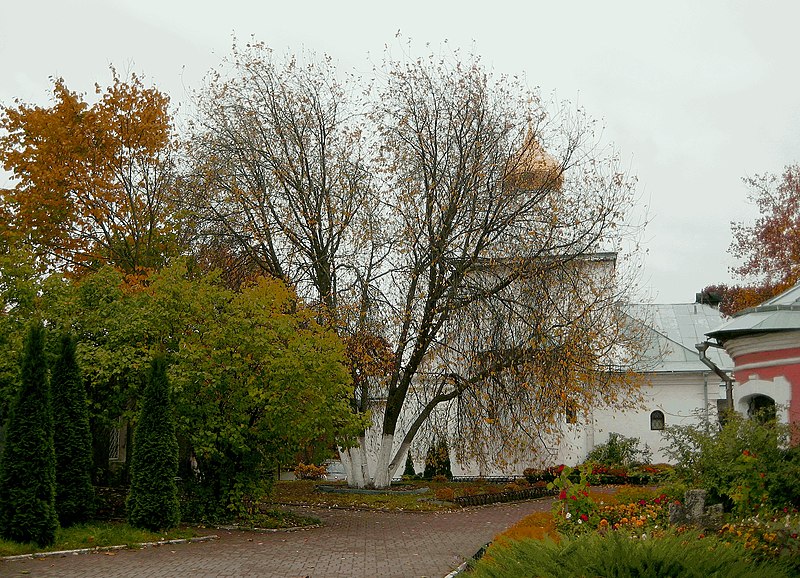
[
  {"x": 562, "y": 495},
  {"x": 574, "y": 497},
  {"x": 584, "y": 517}
]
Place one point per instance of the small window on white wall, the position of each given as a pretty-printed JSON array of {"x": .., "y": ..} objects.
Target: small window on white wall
[{"x": 657, "y": 420}]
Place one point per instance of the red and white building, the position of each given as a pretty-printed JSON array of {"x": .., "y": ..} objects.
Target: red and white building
[{"x": 764, "y": 342}]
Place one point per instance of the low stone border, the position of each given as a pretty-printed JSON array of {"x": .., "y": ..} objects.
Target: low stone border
[
  {"x": 464, "y": 565},
  {"x": 108, "y": 548}
]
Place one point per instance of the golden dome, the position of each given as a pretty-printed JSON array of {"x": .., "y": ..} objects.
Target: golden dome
[{"x": 534, "y": 168}]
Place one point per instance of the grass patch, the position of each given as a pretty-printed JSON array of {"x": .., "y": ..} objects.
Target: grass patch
[
  {"x": 96, "y": 535},
  {"x": 616, "y": 554}
]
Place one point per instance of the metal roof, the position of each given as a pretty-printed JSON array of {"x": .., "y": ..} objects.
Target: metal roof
[
  {"x": 674, "y": 329},
  {"x": 781, "y": 313}
]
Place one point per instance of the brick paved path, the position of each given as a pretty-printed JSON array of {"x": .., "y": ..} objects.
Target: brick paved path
[{"x": 351, "y": 544}]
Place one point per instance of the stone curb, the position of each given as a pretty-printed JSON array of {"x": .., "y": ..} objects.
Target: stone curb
[
  {"x": 108, "y": 548},
  {"x": 464, "y": 565}
]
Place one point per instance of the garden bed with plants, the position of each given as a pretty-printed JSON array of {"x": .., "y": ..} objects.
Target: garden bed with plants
[
  {"x": 421, "y": 495},
  {"x": 748, "y": 467}
]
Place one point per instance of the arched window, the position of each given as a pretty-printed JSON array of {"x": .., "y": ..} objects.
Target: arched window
[
  {"x": 657, "y": 420},
  {"x": 762, "y": 408}
]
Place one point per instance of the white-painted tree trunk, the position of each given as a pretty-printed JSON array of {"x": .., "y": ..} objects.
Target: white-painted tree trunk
[
  {"x": 357, "y": 468},
  {"x": 356, "y": 464},
  {"x": 383, "y": 477}
]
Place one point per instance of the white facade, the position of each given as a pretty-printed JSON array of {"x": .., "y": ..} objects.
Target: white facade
[{"x": 677, "y": 384}]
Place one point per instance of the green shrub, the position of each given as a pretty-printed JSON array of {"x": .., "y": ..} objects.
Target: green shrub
[
  {"x": 620, "y": 452},
  {"x": 437, "y": 461},
  {"x": 73, "y": 439},
  {"x": 744, "y": 465},
  {"x": 153, "y": 496},
  {"x": 616, "y": 554},
  {"x": 28, "y": 462},
  {"x": 409, "y": 468}
]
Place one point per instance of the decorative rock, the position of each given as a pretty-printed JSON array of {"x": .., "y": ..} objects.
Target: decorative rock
[{"x": 693, "y": 511}]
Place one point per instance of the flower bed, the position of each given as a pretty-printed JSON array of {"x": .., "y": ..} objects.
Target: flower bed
[{"x": 508, "y": 496}]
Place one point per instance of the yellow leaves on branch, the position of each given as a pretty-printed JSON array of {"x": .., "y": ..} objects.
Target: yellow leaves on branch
[{"x": 90, "y": 179}]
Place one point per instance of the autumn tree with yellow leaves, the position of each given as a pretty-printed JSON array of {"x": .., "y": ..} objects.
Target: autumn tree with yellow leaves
[
  {"x": 92, "y": 182},
  {"x": 447, "y": 217}
]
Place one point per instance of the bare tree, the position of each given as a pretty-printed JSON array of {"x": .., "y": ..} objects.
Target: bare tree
[{"x": 452, "y": 227}]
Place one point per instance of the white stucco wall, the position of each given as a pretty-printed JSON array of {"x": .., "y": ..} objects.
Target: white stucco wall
[{"x": 684, "y": 398}]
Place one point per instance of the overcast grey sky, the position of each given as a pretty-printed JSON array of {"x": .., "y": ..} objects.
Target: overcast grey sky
[{"x": 694, "y": 94}]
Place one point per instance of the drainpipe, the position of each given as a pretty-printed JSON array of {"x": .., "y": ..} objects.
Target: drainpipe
[
  {"x": 701, "y": 348},
  {"x": 705, "y": 397}
]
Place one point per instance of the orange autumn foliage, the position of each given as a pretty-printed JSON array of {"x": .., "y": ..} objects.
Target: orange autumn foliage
[
  {"x": 769, "y": 248},
  {"x": 537, "y": 526},
  {"x": 91, "y": 181}
]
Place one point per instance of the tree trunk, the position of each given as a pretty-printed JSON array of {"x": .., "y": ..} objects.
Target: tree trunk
[
  {"x": 355, "y": 464},
  {"x": 383, "y": 474}
]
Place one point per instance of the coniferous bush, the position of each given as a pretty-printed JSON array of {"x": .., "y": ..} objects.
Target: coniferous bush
[
  {"x": 409, "y": 467},
  {"x": 153, "y": 496},
  {"x": 28, "y": 462},
  {"x": 617, "y": 554},
  {"x": 437, "y": 461},
  {"x": 73, "y": 439}
]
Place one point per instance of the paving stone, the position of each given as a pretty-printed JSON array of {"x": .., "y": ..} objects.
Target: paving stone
[{"x": 351, "y": 544}]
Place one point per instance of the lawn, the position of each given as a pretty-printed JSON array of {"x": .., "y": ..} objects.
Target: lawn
[{"x": 97, "y": 535}]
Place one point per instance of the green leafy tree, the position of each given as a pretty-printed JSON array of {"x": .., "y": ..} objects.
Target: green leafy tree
[
  {"x": 153, "y": 497},
  {"x": 18, "y": 298},
  {"x": 263, "y": 381},
  {"x": 255, "y": 378},
  {"x": 73, "y": 439},
  {"x": 28, "y": 462}
]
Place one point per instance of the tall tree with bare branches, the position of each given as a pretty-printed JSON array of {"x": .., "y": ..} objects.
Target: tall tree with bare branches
[{"x": 447, "y": 224}]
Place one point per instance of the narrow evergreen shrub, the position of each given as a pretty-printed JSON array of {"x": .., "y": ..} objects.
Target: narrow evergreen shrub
[
  {"x": 617, "y": 554},
  {"x": 153, "y": 496},
  {"x": 437, "y": 461},
  {"x": 409, "y": 467},
  {"x": 28, "y": 462},
  {"x": 73, "y": 439}
]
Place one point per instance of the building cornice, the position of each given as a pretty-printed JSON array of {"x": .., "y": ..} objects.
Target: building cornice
[{"x": 765, "y": 342}]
